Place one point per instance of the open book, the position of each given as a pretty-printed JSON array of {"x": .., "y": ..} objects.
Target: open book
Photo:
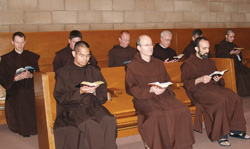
[
  {"x": 236, "y": 48},
  {"x": 218, "y": 73},
  {"x": 26, "y": 68},
  {"x": 160, "y": 85},
  {"x": 91, "y": 84},
  {"x": 178, "y": 56}
]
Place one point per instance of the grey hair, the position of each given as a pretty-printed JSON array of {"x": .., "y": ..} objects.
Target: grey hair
[
  {"x": 165, "y": 32},
  {"x": 229, "y": 31}
]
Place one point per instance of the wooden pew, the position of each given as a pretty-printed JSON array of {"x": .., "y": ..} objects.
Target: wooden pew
[
  {"x": 46, "y": 44},
  {"x": 121, "y": 106},
  {"x": 174, "y": 71},
  {"x": 2, "y": 112}
]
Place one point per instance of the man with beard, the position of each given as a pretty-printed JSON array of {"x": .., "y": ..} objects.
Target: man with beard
[
  {"x": 121, "y": 54},
  {"x": 227, "y": 49},
  {"x": 82, "y": 121},
  {"x": 20, "y": 98},
  {"x": 163, "y": 121},
  {"x": 64, "y": 55},
  {"x": 163, "y": 51},
  {"x": 223, "y": 110}
]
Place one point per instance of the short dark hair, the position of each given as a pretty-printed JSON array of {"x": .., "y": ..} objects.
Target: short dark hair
[
  {"x": 197, "y": 32},
  {"x": 74, "y": 34},
  {"x": 80, "y": 44},
  {"x": 197, "y": 41},
  {"x": 19, "y": 34},
  {"x": 138, "y": 41},
  {"x": 229, "y": 31}
]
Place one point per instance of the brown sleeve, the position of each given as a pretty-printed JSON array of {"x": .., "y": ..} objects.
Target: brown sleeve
[{"x": 133, "y": 88}]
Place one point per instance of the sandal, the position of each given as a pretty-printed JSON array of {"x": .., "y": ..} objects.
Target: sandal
[
  {"x": 240, "y": 136},
  {"x": 224, "y": 142}
]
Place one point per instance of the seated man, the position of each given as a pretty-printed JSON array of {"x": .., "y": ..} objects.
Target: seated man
[
  {"x": 163, "y": 51},
  {"x": 226, "y": 49},
  {"x": 82, "y": 121},
  {"x": 121, "y": 54},
  {"x": 64, "y": 55},
  {"x": 223, "y": 111},
  {"x": 163, "y": 121},
  {"x": 190, "y": 48}
]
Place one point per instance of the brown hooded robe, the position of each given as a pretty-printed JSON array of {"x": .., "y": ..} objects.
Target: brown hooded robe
[
  {"x": 164, "y": 122},
  {"x": 223, "y": 109}
]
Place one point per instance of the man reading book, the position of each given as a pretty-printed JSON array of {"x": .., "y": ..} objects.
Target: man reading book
[
  {"x": 227, "y": 49},
  {"x": 223, "y": 111},
  {"x": 163, "y": 51},
  {"x": 123, "y": 53},
  {"x": 20, "y": 99},
  {"x": 163, "y": 121},
  {"x": 64, "y": 55},
  {"x": 190, "y": 48},
  {"x": 82, "y": 121}
]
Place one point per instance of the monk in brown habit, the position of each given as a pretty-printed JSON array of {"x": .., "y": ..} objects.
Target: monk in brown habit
[
  {"x": 190, "y": 48},
  {"x": 226, "y": 49},
  {"x": 164, "y": 122},
  {"x": 163, "y": 51},
  {"x": 65, "y": 55},
  {"x": 82, "y": 122},
  {"x": 223, "y": 110},
  {"x": 20, "y": 99},
  {"x": 121, "y": 54}
]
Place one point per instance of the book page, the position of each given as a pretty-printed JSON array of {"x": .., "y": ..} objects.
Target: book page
[
  {"x": 160, "y": 85},
  {"x": 219, "y": 73},
  {"x": 92, "y": 84},
  {"x": 179, "y": 56}
]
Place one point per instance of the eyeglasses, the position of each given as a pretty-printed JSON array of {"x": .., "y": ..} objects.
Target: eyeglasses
[
  {"x": 147, "y": 45},
  {"x": 167, "y": 40},
  {"x": 84, "y": 55}
]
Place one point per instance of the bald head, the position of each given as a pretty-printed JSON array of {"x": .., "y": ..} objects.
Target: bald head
[
  {"x": 142, "y": 38},
  {"x": 230, "y": 35},
  {"x": 145, "y": 46}
]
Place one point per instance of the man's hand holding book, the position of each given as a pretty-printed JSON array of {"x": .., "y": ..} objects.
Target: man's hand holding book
[
  {"x": 158, "y": 88},
  {"x": 24, "y": 73}
]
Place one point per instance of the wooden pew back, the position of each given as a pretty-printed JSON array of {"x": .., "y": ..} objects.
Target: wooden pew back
[
  {"x": 45, "y": 108},
  {"x": 46, "y": 44}
]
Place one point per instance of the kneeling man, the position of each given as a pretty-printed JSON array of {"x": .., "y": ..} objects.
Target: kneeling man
[
  {"x": 82, "y": 122},
  {"x": 163, "y": 121}
]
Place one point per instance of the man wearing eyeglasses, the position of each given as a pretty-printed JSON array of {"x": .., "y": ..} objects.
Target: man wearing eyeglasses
[
  {"x": 121, "y": 54},
  {"x": 163, "y": 51},
  {"x": 82, "y": 122},
  {"x": 163, "y": 121}
]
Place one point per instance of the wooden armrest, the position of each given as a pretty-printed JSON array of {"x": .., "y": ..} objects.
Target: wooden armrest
[
  {"x": 177, "y": 85},
  {"x": 114, "y": 92}
]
